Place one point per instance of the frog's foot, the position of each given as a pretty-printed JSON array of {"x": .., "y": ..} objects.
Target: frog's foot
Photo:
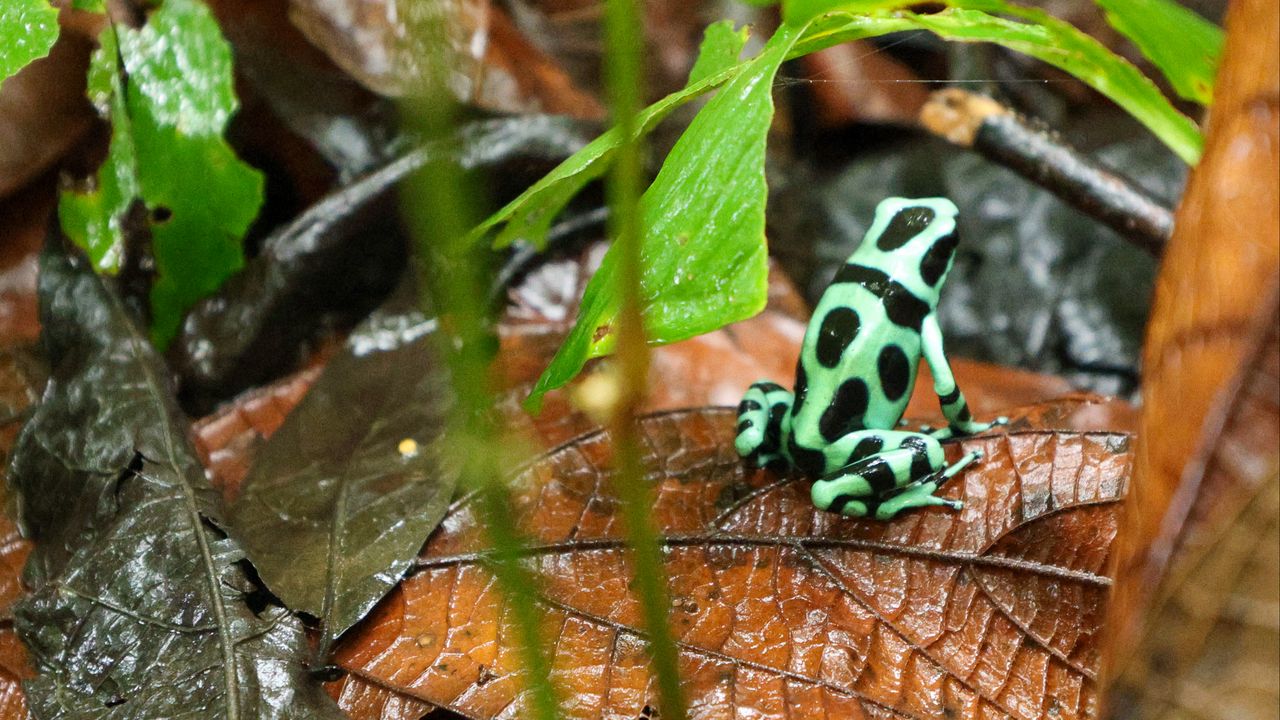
[
  {"x": 963, "y": 428},
  {"x": 913, "y": 496}
]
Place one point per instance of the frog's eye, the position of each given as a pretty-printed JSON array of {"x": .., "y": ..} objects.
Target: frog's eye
[
  {"x": 905, "y": 225},
  {"x": 935, "y": 262}
]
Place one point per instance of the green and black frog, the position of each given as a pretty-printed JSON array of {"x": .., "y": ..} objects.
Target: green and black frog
[{"x": 856, "y": 371}]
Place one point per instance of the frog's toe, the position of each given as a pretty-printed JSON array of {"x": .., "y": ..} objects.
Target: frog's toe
[{"x": 749, "y": 440}]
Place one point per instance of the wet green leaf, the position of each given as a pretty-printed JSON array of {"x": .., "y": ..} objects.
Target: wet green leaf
[
  {"x": 140, "y": 605},
  {"x": 95, "y": 220},
  {"x": 1185, "y": 46},
  {"x": 705, "y": 261},
  {"x": 721, "y": 46},
  {"x": 341, "y": 498},
  {"x": 168, "y": 151},
  {"x": 529, "y": 216},
  {"x": 27, "y": 31},
  {"x": 692, "y": 282}
]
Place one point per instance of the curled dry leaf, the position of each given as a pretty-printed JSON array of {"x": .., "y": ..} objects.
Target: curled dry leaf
[
  {"x": 779, "y": 609},
  {"x": 1210, "y": 419}
]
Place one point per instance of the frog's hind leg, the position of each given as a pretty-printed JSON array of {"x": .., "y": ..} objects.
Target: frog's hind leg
[
  {"x": 854, "y": 488},
  {"x": 763, "y": 415},
  {"x": 921, "y": 492}
]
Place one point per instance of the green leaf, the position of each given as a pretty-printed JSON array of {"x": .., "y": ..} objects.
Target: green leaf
[
  {"x": 1185, "y": 46},
  {"x": 341, "y": 498},
  {"x": 721, "y": 46},
  {"x": 1033, "y": 32},
  {"x": 96, "y": 220},
  {"x": 706, "y": 285},
  {"x": 705, "y": 262},
  {"x": 167, "y": 149},
  {"x": 140, "y": 605},
  {"x": 529, "y": 216},
  {"x": 28, "y": 29}
]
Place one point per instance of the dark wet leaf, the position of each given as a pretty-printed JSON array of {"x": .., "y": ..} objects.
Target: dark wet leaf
[
  {"x": 346, "y": 491},
  {"x": 139, "y": 602},
  {"x": 338, "y": 257}
]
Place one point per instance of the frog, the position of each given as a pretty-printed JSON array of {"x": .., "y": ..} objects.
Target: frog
[{"x": 857, "y": 368}]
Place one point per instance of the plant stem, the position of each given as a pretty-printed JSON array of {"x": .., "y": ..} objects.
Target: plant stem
[
  {"x": 623, "y": 34},
  {"x": 1002, "y": 136},
  {"x": 455, "y": 274}
]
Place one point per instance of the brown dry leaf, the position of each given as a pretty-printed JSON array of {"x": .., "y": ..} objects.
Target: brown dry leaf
[
  {"x": 43, "y": 111},
  {"x": 779, "y": 610},
  {"x": 380, "y": 43},
  {"x": 572, "y": 32},
  {"x": 14, "y": 667},
  {"x": 24, "y": 219},
  {"x": 1211, "y": 646},
  {"x": 18, "y": 390},
  {"x": 1211, "y": 418}
]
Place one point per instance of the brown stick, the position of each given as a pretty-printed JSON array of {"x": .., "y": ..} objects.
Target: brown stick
[{"x": 1004, "y": 137}]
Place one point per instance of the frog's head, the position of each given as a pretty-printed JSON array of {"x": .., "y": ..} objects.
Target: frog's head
[{"x": 914, "y": 240}]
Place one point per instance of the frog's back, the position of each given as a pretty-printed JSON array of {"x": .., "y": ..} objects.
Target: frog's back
[
  {"x": 858, "y": 361},
  {"x": 860, "y": 354}
]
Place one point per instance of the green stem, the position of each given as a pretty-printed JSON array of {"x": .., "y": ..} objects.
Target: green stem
[
  {"x": 455, "y": 276},
  {"x": 623, "y": 79}
]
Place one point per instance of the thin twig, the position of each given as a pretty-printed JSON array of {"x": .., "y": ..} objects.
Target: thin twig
[{"x": 1002, "y": 136}]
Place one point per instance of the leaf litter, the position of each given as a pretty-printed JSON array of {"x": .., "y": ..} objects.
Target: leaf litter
[{"x": 140, "y": 604}]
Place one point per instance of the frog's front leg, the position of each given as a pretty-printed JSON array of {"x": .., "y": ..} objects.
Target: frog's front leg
[
  {"x": 763, "y": 416},
  {"x": 954, "y": 407}
]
